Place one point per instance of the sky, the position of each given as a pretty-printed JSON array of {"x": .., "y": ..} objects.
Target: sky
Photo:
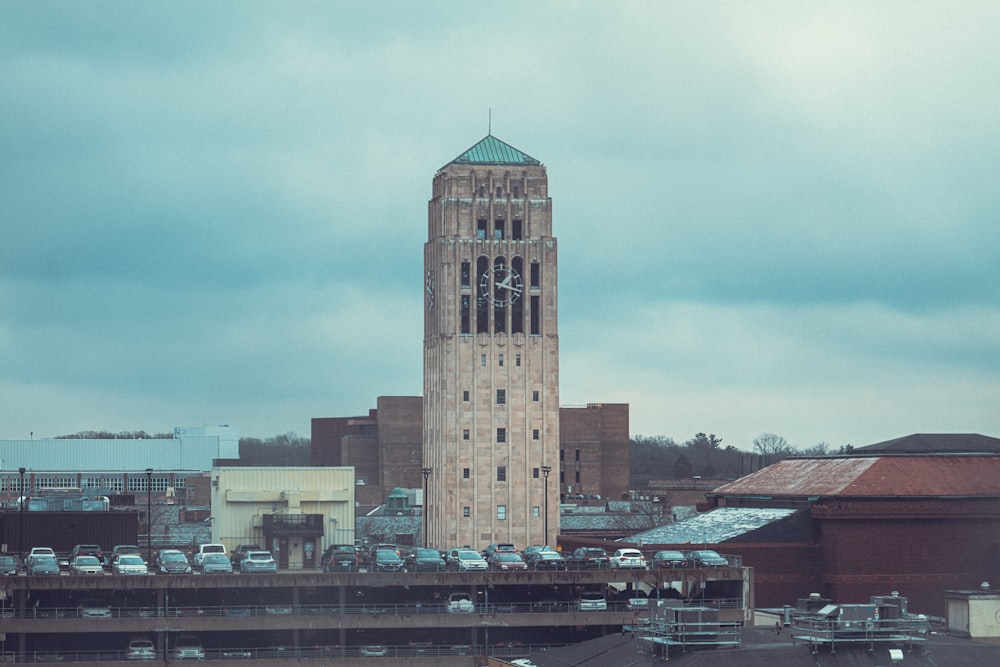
[{"x": 773, "y": 217}]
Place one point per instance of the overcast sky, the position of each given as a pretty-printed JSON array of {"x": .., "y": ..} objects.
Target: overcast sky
[{"x": 772, "y": 217}]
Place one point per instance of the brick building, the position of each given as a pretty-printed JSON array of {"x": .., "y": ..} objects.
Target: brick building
[{"x": 919, "y": 514}]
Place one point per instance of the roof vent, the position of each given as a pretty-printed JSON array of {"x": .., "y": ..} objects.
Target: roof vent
[
  {"x": 985, "y": 585},
  {"x": 814, "y": 596}
]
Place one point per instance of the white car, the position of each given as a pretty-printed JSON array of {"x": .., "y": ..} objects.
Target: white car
[
  {"x": 628, "y": 558},
  {"x": 86, "y": 565},
  {"x": 127, "y": 564},
  {"x": 141, "y": 649},
  {"x": 460, "y": 603},
  {"x": 593, "y": 602}
]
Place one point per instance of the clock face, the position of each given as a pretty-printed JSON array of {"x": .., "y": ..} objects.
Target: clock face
[
  {"x": 501, "y": 285},
  {"x": 429, "y": 289}
]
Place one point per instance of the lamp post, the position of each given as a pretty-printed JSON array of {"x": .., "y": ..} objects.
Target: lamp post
[
  {"x": 545, "y": 472},
  {"x": 427, "y": 473},
  {"x": 149, "y": 515},
  {"x": 20, "y": 521}
]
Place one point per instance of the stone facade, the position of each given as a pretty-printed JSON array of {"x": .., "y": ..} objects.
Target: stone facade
[{"x": 491, "y": 351}]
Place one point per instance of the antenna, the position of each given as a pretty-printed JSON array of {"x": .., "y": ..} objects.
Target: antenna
[{"x": 489, "y": 126}]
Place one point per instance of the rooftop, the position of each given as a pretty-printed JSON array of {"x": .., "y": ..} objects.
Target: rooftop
[
  {"x": 491, "y": 150},
  {"x": 712, "y": 527}
]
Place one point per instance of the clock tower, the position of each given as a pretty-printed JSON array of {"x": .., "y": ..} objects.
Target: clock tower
[{"x": 491, "y": 352}]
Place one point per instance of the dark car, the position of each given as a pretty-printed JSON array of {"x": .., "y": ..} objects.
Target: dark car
[
  {"x": 340, "y": 558},
  {"x": 589, "y": 558},
  {"x": 43, "y": 566},
  {"x": 386, "y": 561},
  {"x": 669, "y": 558},
  {"x": 499, "y": 548},
  {"x": 88, "y": 550},
  {"x": 425, "y": 560},
  {"x": 506, "y": 561},
  {"x": 706, "y": 558},
  {"x": 9, "y": 564},
  {"x": 172, "y": 561},
  {"x": 545, "y": 560}
]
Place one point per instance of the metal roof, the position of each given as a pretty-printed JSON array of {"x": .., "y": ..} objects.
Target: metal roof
[
  {"x": 491, "y": 150},
  {"x": 935, "y": 443},
  {"x": 913, "y": 476},
  {"x": 712, "y": 527}
]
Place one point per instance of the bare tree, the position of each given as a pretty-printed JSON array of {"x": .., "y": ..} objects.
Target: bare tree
[{"x": 772, "y": 446}]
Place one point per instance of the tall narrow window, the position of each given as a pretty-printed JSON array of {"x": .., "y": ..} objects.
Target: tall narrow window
[
  {"x": 466, "y": 274},
  {"x": 466, "y": 314},
  {"x": 517, "y": 359},
  {"x": 500, "y": 359},
  {"x": 536, "y": 316},
  {"x": 535, "y": 278},
  {"x": 501, "y": 435},
  {"x": 465, "y": 395},
  {"x": 517, "y": 305},
  {"x": 481, "y": 230},
  {"x": 482, "y": 360},
  {"x": 577, "y": 476},
  {"x": 465, "y": 434},
  {"x": 501, "y": 512},
  {"x": 534, "y": 473},
  {"x": 482, "y": 302},
  {"x": 501, "y": 473},
  {"x": 576, "y": 455},
  {"x": 534, "y": 396},
  {"x": 499, "y": 191},
  {"x": 466, "y": 512},
  {"x": 501, "y": 396},
  {"x": 498, "y": 228},
  {"x": 535, "y": 512},
  {"x": 465, "y": 473},
  {"x": 517, "y": 230},
  {"x": 535, "y": 433}
]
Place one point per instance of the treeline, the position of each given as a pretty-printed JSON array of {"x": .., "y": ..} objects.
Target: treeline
[
  {"x": 288, "y": 449},
  {"x": 661, "y": 457},
  {"x": 119, "y": 435}
]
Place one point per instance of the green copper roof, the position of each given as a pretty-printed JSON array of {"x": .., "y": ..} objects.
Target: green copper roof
[{"x": 493, "y": 151}]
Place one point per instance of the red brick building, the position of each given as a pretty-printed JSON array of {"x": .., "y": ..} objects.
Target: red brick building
[{"x": 919, "y": 515}]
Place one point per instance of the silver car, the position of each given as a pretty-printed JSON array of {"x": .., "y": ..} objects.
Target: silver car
[{"x": 127, "y": 564}]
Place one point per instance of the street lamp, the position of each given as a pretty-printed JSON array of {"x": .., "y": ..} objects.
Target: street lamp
[
  {"x": 20, "y": 529},
  {"x": 149, "y": 515},
  {"x": 427, "y": 473},
  {"x": 545, "y": 471}
]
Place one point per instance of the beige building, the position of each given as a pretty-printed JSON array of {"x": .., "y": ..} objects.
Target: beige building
[
  {"x": 491, "y": 351},
  {"x": 294, "y": 512}
]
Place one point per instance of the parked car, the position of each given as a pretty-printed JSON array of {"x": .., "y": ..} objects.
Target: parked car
[
  {"x": 466, "y": 560},
  {"x": 340, "y": 558},
  {"x": 258, "y": 561},
  {"x": 9, "y": 564},
  {"x": 140, "y": 649},
  {"x": 93, "y": 609},
  {"x": 172, "y": 561},
  {"x": 124, "y": 549},
  {"x": 668, "y": 558},
  {"x": 386, "y": 561},
  {"x": 129, "y": 564},
  {"x": 209, "y": 549},
  {"x": 86, "y": 565},
  {"x": 39, "y": 551},
  {"x": 537, "y": 547},
  {"x": 88, "y": 550},
  {"x": 460, "y": 603},
  {"x": 545, "y": 560},
  {"x": 188, "y": 647},
  {"x": 425, "y": 560},
  {"x": 592, "y": 601},
  {"x": 506, "y": 561},
  {"x": 237, "y": 555},
  {"x": 706, "y": 558},
  {"x": 589, "y": 558},
  {"x": 499, "y": 548},
  {"x": 628, "y": 558},
  {"x": 375, "y": 650},
  {"x": 216, "y": 563},
  {"x": 43, "y": 566}
]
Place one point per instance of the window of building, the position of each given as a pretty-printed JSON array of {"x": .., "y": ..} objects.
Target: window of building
[
  {"x": 534, "y": 473},
  {"x": 501, "y": 473},
  {"x": 534, "y": 434},
  {"x": 577, "y": 476},
  {"x": 482, "y": 360},
  {"x": 517, "y": 359},
  {"x": 465, "y": 395},
  {"x": 498, "y": 226},
  {"x": 536, "y": 275},
  {"x": 536, "y": 316},
  {"x": 576, "y": 455},
  {"x": 517, "y": 230},
  {"x": 466, "y": 274},
  {"x": 466, "y": 512},
  {"x": 465, "y": 434},
  {"x": 465, "y": 473},
  {"x": 501, "y": 512},
  {"x": 466, "y": 314},
  {"x": 501, "y": 396},
  {"x": 562, "y": 454},
  {"x": 499, "y": 191},
  {"x": 481, "y": 230},
  {"x": 562, "y": 476},
  {"x": 500, "y": 359},
  {"x": 534, "y": 396},
  {"x": 516, "y": 191},
  {"x": 501, "y": 435},
  {"x": 535, "y": 512}
]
